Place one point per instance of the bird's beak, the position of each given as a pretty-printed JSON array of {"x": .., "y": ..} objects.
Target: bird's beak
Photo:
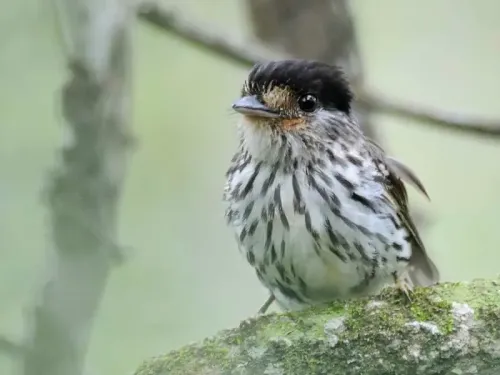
[{"x": 251, "y": 106}]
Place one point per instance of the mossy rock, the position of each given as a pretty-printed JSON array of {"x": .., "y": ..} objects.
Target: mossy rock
[{"x": 451, "y": 328}]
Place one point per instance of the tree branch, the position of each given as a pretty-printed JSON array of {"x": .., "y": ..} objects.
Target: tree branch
[
  {"x": 10, "y": 347},
  {"x": 450, "y": 328},
  {"x": 432, "y": 118},
  {"x": 173, "y": 22},
  {"x": 249, "y": 53}
]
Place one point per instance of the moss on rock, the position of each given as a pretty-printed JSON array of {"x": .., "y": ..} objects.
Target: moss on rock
[{"x": 452, "y": 328}]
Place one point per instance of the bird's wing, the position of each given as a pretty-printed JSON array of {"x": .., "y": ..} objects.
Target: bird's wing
[{"x": 423, "y": 271}]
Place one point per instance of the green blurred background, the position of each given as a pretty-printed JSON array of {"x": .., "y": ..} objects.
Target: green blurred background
[{"x": 184, "y": 278}]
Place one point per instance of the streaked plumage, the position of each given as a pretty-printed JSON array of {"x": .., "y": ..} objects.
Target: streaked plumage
[{"x": 318, "y": 210}]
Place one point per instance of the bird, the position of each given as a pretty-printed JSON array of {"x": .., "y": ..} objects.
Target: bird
[{"x": 318, "y": 209}]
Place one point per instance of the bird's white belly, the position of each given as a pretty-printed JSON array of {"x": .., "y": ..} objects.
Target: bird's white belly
[{"x": 293, "y": 248}]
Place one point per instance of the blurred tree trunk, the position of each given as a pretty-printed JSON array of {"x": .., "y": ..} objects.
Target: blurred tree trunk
[
  {"x": 84, "y": 190},
  {"x": 321, "y": 30},
  {"x": 314, "y": 29}
]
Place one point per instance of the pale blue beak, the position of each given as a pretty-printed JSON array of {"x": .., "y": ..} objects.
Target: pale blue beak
[{"x": 251, "y": 106}]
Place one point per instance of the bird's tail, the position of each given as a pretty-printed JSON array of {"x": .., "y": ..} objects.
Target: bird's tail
[{"x": 423, "y": 271}]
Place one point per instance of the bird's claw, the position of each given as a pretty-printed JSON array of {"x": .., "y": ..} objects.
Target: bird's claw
[
  {"x": 405, "y": 285},
  {"x": 266, "y": 305}
]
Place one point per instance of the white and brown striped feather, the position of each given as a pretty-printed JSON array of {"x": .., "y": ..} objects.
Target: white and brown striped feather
[{"x": 289, "y": 243}]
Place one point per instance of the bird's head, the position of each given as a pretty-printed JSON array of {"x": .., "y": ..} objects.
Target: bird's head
[{"x": 285, "y": 102}]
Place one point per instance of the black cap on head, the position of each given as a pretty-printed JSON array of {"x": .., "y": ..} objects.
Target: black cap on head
[{"x": 328, "y": 83}]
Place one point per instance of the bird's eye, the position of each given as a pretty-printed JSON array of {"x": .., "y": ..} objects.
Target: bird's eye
[{"x": 308, "y": 103}]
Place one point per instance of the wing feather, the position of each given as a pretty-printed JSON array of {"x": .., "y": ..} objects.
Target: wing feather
[{"x": 423, "y": 271}]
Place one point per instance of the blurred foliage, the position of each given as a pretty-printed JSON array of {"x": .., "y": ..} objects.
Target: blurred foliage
[{"x": 184, "y": 278}]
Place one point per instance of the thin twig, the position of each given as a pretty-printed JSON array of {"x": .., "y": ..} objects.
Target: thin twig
[
  {"x": 432, "y": 117},
  {"x": 10, "y": 347},
  {"x": 172, "y": 21},
  {"x": 250, "y": 53}
]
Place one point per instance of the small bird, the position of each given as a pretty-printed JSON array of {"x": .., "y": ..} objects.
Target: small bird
[{"x": 317, "y": 208}]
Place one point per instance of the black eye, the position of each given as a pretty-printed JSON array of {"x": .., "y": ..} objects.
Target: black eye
[{"x": 308, "y": 103}]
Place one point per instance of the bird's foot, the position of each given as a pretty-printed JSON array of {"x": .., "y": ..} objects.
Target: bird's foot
[
  {"x": 266, "y": 305},
  {"x": 404, "y": 284}
]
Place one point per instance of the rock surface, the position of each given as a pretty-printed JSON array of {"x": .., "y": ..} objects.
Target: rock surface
[{"x": 452, "y": 328}]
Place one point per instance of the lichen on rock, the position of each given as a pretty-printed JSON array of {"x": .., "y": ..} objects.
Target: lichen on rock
[{"x": 451, "y": 328}]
